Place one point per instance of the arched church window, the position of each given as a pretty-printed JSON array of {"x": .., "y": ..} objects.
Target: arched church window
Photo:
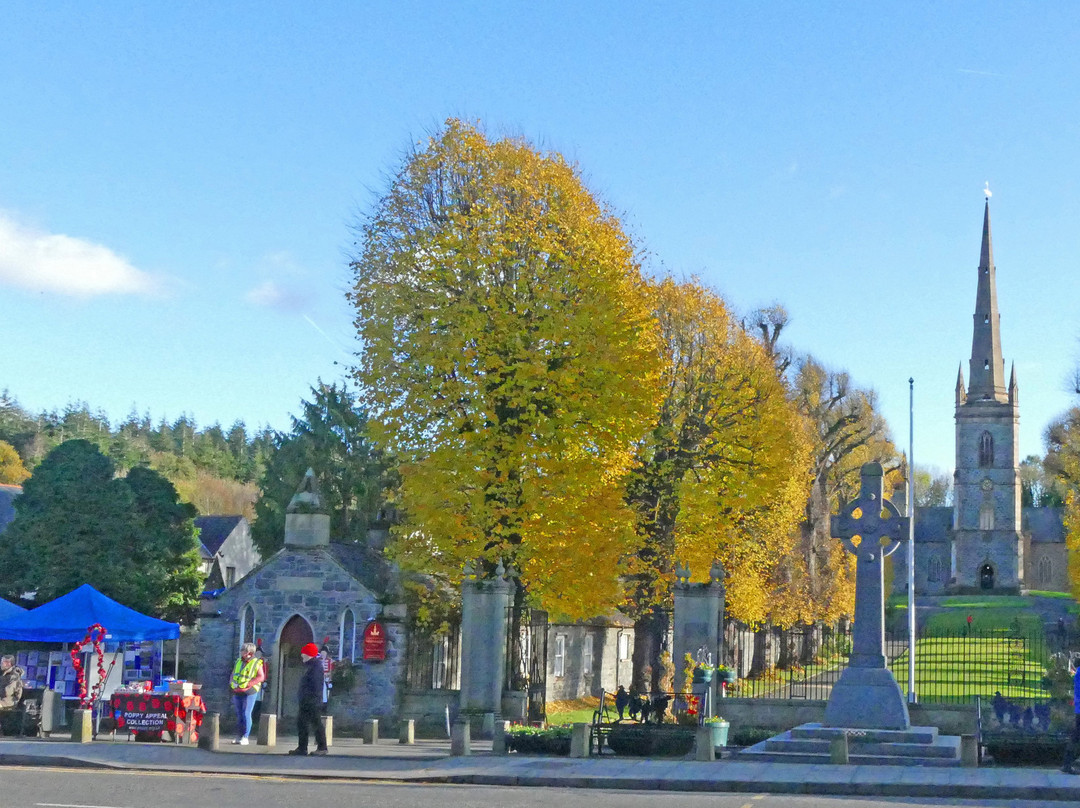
[
  {"x": 347, "y": 636},
  {"x": 1046, "y": 570},
  {"x": 986, "y": 517},
  {"x": 934, "y": 569},
  {"x": 986, "y": 449},
  {"x": 247, "y": 624}
]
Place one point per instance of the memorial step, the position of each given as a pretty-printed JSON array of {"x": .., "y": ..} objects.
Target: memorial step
[
  {"x": 815, "y": 731},
  {"x": 811, "y": 744}
]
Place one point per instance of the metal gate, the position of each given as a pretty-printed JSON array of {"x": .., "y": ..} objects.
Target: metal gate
[{"x": 526, "y": 658}]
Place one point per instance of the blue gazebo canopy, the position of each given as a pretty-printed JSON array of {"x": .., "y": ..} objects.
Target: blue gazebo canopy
[
  {"x": 67, "y": 618},
  {"x": 9, "y": 609}
]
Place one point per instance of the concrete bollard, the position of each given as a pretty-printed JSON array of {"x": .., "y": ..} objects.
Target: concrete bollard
[
  {"x": 210, "y": 732},
  {"x": 370, "y": 731},
  {"x": 579, "y": 741},
  {"x": 267, "y": 729},
  {"x": 407, "y": 731},
  {"x": 838, "y": 749},
  {"x": 82, "y": 726},
  {"x": 461, "y": 738},
  {"x": 498, "y": 740},
  {"x": 703, "y": 745},
  {"x": 51, "y": 705},
  {"x": 328, "y": 728},
  {"x": 969, "y": 751}
]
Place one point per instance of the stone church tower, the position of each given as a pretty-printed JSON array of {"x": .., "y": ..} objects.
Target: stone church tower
[{"x": 988, "y": 548}]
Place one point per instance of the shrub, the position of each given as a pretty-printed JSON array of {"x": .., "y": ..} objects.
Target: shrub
[
  {"x": 748, "y": 736},
  {"x": 651, "y": 740},
  {"x": 536, "y": 741}
]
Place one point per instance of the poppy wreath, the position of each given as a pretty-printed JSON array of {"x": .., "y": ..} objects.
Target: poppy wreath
[{"x": 94, "y": 635}]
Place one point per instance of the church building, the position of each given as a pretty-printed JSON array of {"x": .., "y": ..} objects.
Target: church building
[{"x": 986, "y": 541}]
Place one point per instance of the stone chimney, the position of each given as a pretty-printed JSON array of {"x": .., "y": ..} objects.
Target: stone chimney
[{"x": 306, "y": 522}]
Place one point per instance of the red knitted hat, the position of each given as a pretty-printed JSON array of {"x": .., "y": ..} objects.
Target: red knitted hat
[{"x": 311, "y": 650}]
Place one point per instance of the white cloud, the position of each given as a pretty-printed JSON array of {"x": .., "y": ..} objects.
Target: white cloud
[
  {"x": 48, "y": 262},
  {"x": 273, "y": 295}
]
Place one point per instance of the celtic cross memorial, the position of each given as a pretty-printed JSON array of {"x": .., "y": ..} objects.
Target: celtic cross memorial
[{"x": 867, "y": 695}]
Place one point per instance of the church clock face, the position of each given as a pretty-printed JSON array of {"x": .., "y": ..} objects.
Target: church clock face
[{"x": 987, "y": 484}]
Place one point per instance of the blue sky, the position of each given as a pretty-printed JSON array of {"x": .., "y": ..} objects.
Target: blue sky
[{"x": 178, "y": 182}]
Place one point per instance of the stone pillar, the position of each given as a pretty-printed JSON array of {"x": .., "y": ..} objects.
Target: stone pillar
[
  {"x": 407, "y": 731},
  {"x": 267, "y": 729},
  {"x": 82, "y": 726},
  {"x": 703, "y": 745},
  {"x": 498, "y": 739},
  {"x": 699, "y": 621},
  {"x": 579, "y": 741},
  {"x": 461, "y": 738},
  {"x": 210, "y": 732},
  {"x": 969, "y": 751},
  {"x": 370, "y": 731},
  {"x": 838, "y": 749},
  {"x": 328, "y": 728},
  {"x": 484, "y": 605}
]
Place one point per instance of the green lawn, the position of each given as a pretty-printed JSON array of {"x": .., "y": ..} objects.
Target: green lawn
[
  {"x": 949, "y": 669},
  {"x": 1001, "y": 617}
]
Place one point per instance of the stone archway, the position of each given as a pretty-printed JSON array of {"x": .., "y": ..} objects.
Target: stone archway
[
  {"x": 295, "y": 634},
  {"x": 986, "y": 576}
]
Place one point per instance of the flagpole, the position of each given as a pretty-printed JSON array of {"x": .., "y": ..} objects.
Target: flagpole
[{"x": 911, "y": 542}]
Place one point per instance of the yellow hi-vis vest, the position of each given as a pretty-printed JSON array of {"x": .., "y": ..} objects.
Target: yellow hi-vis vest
[{"x": 244, "y": 672}]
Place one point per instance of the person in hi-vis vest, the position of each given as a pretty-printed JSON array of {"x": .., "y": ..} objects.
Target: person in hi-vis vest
[{"x": 248, "y": 674}]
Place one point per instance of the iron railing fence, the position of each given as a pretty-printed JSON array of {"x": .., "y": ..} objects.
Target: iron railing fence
[
  {"x": 950, "y": 667},
  {"x": 433, "y": 662}
]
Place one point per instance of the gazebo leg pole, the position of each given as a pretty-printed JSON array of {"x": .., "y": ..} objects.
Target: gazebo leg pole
[{"x": 176, "y": 661}]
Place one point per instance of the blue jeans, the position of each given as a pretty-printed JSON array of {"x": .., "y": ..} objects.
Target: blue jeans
[{"x": 244, "y": 704}]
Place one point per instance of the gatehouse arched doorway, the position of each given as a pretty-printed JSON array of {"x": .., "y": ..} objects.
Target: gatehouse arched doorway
[
  {"x": 295, "y": 634},
  {"x": 986, "y": 576}
]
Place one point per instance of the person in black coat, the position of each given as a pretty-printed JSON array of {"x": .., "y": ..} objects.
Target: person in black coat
[{"x": 309, "y": 696}]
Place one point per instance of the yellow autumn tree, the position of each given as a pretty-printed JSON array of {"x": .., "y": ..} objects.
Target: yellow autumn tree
[
  {"x": 510, "y": 364},
  {"x": 12, "y": 470},
  {"x": 723, "y": 473},
  {"x": 1062, "y": 464},
  {"x": 847, "y": 431}
]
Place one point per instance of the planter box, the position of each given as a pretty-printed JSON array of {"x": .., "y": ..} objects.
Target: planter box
[
  {"x": 702, "y": 676},
  {"x": 651, "y": 740},
  {"x": 538, "y": 744}
]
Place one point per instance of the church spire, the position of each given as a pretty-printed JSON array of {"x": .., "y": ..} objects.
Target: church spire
[{"x": 987, "y": 368}]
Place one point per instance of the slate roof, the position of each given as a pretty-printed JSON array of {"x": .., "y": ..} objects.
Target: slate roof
[
  {"x": 214, "y": 530},
  {"x": 1044, "y": 524},
  {"x": 367, "y": 566},
  {"x": 7, "y": 508}
]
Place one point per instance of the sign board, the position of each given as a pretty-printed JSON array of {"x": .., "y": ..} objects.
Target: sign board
[
  {"x": 138, "y": 713},
  {"x": 374, "y": 642}
]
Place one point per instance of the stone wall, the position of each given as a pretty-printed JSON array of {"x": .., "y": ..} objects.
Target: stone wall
[{"x": 428, "y": 708}]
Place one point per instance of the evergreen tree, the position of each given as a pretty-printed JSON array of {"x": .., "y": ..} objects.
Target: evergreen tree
[
  {"x": 77, "y": 523},
  {"x": 330, "y": 437}
]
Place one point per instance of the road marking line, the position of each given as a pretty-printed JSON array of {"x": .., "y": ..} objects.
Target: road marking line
[{"x": 67, "y": 805}]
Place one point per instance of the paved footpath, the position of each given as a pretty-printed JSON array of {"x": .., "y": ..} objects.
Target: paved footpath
[{"x": 430, "y": 762}]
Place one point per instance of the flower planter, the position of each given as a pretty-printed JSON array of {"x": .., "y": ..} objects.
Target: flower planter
[
  {"x": 727, "y": 676},
  {"x": 719, "y": 733},
  {"x": 702, "y": 676}
]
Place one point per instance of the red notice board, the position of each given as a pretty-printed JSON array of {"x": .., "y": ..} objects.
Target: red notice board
[{"x": 374, "y": 642}]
